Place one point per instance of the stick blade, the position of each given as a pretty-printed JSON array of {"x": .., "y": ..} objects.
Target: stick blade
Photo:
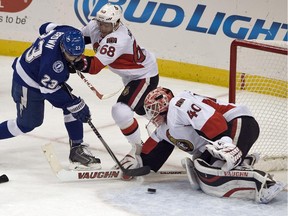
[{"x": 137, "y": 171}]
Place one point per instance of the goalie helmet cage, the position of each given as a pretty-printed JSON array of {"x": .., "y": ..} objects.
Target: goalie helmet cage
[{"x": 258, "y": 79}]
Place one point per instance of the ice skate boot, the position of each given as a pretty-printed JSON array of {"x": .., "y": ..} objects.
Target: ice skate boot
[{"x": 81, "y": 158}]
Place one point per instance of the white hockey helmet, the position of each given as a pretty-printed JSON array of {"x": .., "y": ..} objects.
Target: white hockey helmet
[
  {"x": 109, "y": 13},
  {"x": 156, "y": 105}
]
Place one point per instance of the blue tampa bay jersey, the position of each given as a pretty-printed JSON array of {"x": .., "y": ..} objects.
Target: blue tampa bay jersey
[{"x": 43, "y": 67}]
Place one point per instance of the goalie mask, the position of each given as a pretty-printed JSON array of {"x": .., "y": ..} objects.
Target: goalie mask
[
  {"x": 109, "y": 13},
  {"x": 156, "y": 105}
]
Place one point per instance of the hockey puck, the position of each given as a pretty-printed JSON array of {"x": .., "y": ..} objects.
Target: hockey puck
[
  {"x": 151, "y": 190},
  {"x": 4, "y": 178}
]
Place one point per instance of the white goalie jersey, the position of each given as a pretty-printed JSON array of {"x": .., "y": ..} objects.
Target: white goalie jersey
[{"x": 190, "y": 117}]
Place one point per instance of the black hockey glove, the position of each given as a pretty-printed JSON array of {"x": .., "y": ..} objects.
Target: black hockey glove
[
  {"x": 83, "y": 64},
  {"x": 71, "y": 68}
]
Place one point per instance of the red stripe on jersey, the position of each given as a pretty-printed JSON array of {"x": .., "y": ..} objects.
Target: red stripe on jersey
[
  {"x": 96, "y": 66},
  {"x": 125, "y": 61},
  {"x": 214, "y": 126},
  {"x": 131, "y": 129},
  {"x": 149, "y": 145},
  {"x": 136, "y": 92},
  {"x": 218, "y": 107}
]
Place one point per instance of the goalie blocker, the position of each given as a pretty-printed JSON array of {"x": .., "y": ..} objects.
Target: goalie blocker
[{"x": 241, "y": 182}]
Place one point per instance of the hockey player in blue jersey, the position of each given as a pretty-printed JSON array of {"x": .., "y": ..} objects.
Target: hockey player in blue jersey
[{"x": 40, "y": 74}]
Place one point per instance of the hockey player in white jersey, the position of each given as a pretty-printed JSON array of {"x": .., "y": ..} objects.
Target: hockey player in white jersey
[
  {"x": 218, "y": 135},
  {"x": 116, "y": 47},
  {"x": 40, "y": 74}
]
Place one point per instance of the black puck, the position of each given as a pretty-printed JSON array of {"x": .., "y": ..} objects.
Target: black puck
[
  {"x": 4, "y": 178},
  {"x": 151, "y": 190}
]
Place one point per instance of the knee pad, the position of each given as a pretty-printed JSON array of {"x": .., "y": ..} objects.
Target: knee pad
[
  {"x": 27, "y": 127},
  {"x": 122, "y": 115},
  {"x": 17, "y": 129}
]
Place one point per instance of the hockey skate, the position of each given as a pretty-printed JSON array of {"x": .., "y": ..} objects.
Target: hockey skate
[{"x": 81, "y": 158}]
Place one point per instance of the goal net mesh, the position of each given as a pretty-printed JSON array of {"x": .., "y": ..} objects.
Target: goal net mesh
[{"x": 258, "y": 79}]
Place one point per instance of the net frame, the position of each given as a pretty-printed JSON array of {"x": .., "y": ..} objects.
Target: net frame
[{"x": 275, "y": 89}]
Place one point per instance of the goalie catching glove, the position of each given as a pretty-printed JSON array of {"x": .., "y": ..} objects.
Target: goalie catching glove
[{"x": 225, "y": 150}]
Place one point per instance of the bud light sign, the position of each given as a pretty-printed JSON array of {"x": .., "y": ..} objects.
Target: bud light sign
[{"x": 236, "y": 26}]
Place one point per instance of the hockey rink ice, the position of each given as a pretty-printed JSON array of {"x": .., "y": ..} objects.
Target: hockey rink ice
[{"x": 34, "y": 190}]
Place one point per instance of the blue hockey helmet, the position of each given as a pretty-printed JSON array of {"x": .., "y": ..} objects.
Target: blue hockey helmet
[{"x": 73, "y": 43}]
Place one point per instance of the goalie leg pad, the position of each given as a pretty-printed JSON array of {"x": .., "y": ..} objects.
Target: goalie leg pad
[
  {"x": 188, "y": 165},
  {"x": 219, "y": 183},
  {"x": 240, "y": 182}
]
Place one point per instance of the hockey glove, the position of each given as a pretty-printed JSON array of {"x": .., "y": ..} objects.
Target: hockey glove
[
  {"x": 83, "y": 64},
  {"x": 71, "y": 68},
  {"x": 225, "y": 151},
  {"x": 131, "y": 161},
  {"x": 79, "y": 110}
]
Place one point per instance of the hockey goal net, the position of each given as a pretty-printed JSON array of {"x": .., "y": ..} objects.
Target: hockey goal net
[{"x": 258, "y": 79}]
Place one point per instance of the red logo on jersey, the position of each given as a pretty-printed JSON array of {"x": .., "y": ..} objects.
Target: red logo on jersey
[{"x": 13, "y": 5}]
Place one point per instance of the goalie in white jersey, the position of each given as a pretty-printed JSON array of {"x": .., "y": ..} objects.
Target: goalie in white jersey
[
  {"x": 116, "y": 47},
  {"x": 218, "y": 135}
]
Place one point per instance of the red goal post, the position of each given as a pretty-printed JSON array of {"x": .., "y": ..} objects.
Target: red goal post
[{"x": 258, "y": 79}]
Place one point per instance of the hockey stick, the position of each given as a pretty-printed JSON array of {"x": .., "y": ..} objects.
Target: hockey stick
[
  {"x": 68, "y": 175},
  {"x": 129, "y": 172},
  {"x": 98, "y": 94},
  {"x": 76, "y": 175}
]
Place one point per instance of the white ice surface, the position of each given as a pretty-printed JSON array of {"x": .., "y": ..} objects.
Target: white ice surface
[{"x": 34, "y": 190}]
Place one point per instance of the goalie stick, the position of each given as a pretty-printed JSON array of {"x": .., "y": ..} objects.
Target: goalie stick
[
  {"x": 98, "y": 94},
  {"x": 129, "y": 172},
  {"x": 67, "y": 175}
]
